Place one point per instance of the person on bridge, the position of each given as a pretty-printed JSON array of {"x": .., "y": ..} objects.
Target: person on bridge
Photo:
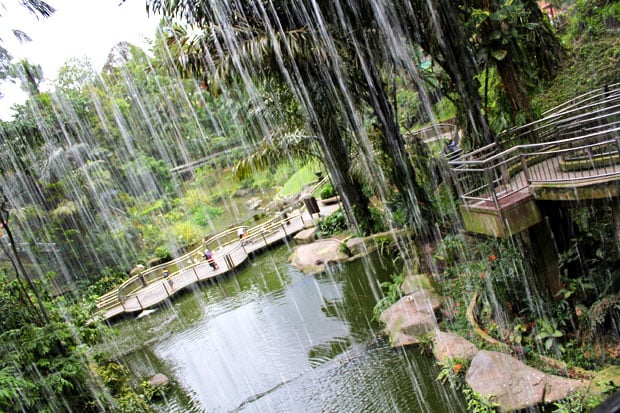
[
  {"x": 242, "y": 235},
  {"x": 167, "y": 277},
  {"x": 210, "y": 259}
]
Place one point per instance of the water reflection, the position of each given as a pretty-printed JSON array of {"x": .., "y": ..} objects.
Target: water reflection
[{"x": 272, "y": 339}]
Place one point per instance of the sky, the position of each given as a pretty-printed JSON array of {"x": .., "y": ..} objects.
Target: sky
[{"x": 78, "y": 28}]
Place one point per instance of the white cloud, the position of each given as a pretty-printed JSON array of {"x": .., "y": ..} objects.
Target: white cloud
[{"x": 78, "y": 28}]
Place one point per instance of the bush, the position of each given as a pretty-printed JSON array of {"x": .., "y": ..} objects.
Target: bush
[
  {"x": 327, "y": 191},
  {"x": 332, "y": 224},
  {"x": 163, "y": 253}
]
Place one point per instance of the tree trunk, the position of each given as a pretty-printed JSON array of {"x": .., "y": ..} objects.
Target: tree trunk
[
  {"x": 435, "y": 25},
  {"x": 403, "y": 173},
  {"x": 338, "y": 162}
]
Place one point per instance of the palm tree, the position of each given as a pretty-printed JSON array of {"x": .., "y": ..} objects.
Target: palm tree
[
  {"x": 296, "y": 59},
  {"x": 334, "y": 75}
]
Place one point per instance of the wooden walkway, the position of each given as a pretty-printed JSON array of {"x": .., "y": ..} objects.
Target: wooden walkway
[{"x": 149, "y": 288}]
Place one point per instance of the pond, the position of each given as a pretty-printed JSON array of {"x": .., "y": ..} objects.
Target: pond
[{"x": 270, "y": 338}]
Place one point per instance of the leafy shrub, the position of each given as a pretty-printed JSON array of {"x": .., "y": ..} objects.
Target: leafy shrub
[
  {"x": 332, "y": 224},
  {"x": 163, "y": 253},
  {"x": 392, "y": 295},
  {"x": 327, "y": 191}
]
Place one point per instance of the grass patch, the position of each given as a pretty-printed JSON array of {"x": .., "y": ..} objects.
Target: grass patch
[{"x": 299, "y": 179}]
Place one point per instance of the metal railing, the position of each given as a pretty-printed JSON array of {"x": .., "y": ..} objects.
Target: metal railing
[
  {"x": 434, "y": 132},
  {"x": 594, "y": 109},
  {"x": 576, "y": 141},
  {"x": 185, "y": 266},
  {"x": 492, "y": 178}
]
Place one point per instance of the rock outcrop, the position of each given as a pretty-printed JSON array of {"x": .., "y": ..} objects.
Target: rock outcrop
[
  {"x": 158, "y": 380},
  {"x": 411, "y": 317},
  {"x": 452, "y": 346},
  {"x": 312, "y": 258},
  {"x": 514, "y": 385}
]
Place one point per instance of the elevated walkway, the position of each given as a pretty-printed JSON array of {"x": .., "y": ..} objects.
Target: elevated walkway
[
  {"x": 149, "y": 288},
  {"x": 576, "y": 157}
]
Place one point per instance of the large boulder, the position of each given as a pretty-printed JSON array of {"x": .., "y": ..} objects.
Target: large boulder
[
  {"x": 411, "y": 317},
  {"x": 306, "y": 236},
  {"x": 312, "y": 258},
  {"x": 514, "y": 385},
  {"x": 452, "y": 346},
  {"x": 253, "y": 203}
]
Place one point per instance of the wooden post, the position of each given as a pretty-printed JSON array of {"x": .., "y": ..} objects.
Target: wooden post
[
  {"x": 526, "y": 172},
  {"x": 139, "y": 303},
  {"x": 229, "y": 262}
]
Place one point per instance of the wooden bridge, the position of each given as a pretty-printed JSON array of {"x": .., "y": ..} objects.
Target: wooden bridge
[
  {"x": 149, "y": 288},
  {"x": 576, "y": 157}
]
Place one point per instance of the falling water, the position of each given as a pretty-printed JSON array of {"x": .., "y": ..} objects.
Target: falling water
[{"x": 113, "y": 174}]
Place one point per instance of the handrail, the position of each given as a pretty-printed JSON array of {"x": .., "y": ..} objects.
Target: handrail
[
  {"x": 458, "y": 162},
  {"x": 193, "y": 258},
  {"x": 501, "y": 174},
  {"x": 437, "y": 129},
  {"x": 596, "y": 93},
  {"x": 580, "y": 106},
  {"x": 232, "y": 258}
]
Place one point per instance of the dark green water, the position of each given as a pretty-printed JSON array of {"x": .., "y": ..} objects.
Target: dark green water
[{"x": 271, "y": 339}]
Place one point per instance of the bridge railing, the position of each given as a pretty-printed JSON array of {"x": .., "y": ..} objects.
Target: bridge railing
[
  {"x": 434, "y": 132},
  {"x": 578, "y": 134},
  {"x": 595, "y": 109},
  {"x": 488, "y": 180},
  {"x": 593, "y": 156},
  {"x": 233, "y": 256},
  {"x": 126, "y": 293}
]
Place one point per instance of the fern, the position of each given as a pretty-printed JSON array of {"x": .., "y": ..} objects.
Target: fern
[{"x": 596, "y": 315}]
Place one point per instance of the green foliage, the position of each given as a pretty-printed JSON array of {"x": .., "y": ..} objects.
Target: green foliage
[
  {"x": 452, "y": 371},
  {"x": 163, "y": 252},
  {"x": 201, "y": 215},
  {"x": 548, "y": 334},
  {"x": 393, "y": 294},
  {"x": 116, "y": 378},
  {"x": 332, "y": 224},
  {"x": 327, "y": 191},
  {"x": 301, "y": 177},
  {"x": 477, "y": 403},
  {"x": 594, "y": 18},
  {"x": 577, "y": 402}
]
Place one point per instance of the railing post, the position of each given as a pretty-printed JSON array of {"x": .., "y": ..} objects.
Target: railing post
[
  {"x": 489, "y": 179},
  {"x": 457, "y": 184},
  {"x": 526, "y": 171},
  {"x": 196, "y": 274},
  {"x": 229, "y": 262},
  {"x": 139, "y": 303},
  {"x": 165, "y": 289}
]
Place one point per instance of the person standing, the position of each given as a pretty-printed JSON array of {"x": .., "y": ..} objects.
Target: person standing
[
  {"x": 210, "y": 259},
  {"x": 242, "y": 235},
  {"x": 167, "y": 277}
]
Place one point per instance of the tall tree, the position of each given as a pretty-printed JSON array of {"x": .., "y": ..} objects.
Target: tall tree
[{"x": 279, "y": 45}]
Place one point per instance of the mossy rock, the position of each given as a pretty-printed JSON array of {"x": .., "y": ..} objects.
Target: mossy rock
[
  {"x": 604, "y": 378},
  {"x": 416, "y": 282}
]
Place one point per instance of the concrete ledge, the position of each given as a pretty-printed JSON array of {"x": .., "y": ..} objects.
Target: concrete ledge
[{"x": 504, "y": 222}]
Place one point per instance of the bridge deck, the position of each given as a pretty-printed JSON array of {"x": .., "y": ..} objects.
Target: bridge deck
[{"x": 228, "y": 257}]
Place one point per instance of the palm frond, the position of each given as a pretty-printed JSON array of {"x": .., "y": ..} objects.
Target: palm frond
[{"x": 274, "y": 150}]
